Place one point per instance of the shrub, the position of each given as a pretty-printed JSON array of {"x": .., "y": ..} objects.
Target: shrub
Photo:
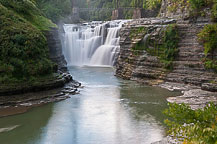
[
  {"x": 55, "y": 9},
  {"x": 208, "y": 37},
  {"x": 165, "y": 46},
  {"x": 168, "y": 50},
  {"x": 28, "y": 10},
  {"x": 23, "y": 48},
  {"x": 210, "y": 64},
  {"x": 153, "y": 4},
  {"x": 197, "y": 7},
  {"x": 197, "y": 4},
  {"x": 192, "y": 126},
  {"x": 214, "y": 12},
  {"x": 170, "y": 42},
  {"x": 175, "y": 4}
]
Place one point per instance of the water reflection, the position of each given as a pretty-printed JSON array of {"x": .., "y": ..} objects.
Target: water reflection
[
  {"x": 30, "y": 126},
  {"x": 145, "y": 100},
  {"x": 107, "y": 111}
]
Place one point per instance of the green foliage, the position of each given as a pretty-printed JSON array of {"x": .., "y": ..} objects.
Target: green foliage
[
  {"x": 197, "y": 4},
  {"x": 168, "y": 48},
  {"x": 138, "y": 32},
  {"x": 153, "y": 4},
  {"x": 139, "y": 47},
  {"x": 210, "y": 64},
  {"x": 170, "y": 42},
  {"x": 23, "y": 49},
  {"x": 111, "y": 4},
  {"x": 197, "y": 7},
  {"x": 193, "y": 126},
  {"x": 55, "y": 9},
  {"x": 28, "y": 10},
  {"x": 175, "y": 4},
  {"x": 146, "y": 4},
  {"x": 214, "y": 12},
  {"x": 208, "y": 37},
  {"x": 194, "y": 4}
]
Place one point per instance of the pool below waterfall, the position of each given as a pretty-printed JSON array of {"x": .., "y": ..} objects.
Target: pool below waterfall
[{"x": 108, "y": 110}]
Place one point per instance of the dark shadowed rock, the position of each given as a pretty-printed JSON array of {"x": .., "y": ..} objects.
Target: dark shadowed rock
[
  {"x": 209, "y": 87},
  {"x": 55, "y": 48}
]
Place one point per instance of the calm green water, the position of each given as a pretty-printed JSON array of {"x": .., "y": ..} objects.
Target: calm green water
[{"x": 107, "y": 111}]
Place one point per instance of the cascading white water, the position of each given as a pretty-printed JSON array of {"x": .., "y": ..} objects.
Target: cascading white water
[{"x": 94, "y": 44}]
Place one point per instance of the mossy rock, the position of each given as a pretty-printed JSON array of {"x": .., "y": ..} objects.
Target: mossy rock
[{"x": 164, "y": 45}]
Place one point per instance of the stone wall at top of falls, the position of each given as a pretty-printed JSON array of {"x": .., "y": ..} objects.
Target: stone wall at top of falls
[{"x": 141, "y": 66}]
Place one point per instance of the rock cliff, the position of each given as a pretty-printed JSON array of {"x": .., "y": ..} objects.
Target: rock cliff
[
  {"x": 141, "y": 66},
  {"x": 55, "y": 48}
]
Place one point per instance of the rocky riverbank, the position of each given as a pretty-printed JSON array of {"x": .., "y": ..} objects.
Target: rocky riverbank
[
  {"x": 188, "y": 73},
  {"x": 19, "y": 97},
  {"x": 54, "y": 91},
  {"x": 141, "y": 66},
  {"x": 39, "y": 85},
  {"x": 194, "y": 96}
]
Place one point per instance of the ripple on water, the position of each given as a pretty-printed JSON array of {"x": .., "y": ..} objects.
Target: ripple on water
[{"x": 7, "y": 129}]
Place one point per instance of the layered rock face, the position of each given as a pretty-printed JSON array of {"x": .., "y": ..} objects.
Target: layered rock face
[
  {"x": 141, "y": 66},
  {"x": 55, "y": 48},
  {"x": 188, "y": 66},
  {"x": 138, "y": 64}
]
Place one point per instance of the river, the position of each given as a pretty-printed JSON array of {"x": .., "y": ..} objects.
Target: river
[{"x": 108, "y": 110}]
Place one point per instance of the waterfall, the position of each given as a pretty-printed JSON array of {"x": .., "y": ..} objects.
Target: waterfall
[{"x": 91, "y": 44}]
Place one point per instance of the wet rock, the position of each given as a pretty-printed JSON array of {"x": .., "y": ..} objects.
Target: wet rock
[
  {"x": 209, "y": 87},
  {"x": 55, "y": 48},
  {"x": 38, "y": 98},
  {"x": 69, "y": 90}
]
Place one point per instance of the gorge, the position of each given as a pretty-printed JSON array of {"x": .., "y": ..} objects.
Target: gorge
[{"x": 126, "y": 70}]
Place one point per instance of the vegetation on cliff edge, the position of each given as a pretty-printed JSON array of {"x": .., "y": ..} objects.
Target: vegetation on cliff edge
[
  {"x": 197, "y": 7},
  {"x": 23, "y": 50},
  {"x": 103, "y": 14},
  {"x": 55, "y": 10},
  {"x": 164, "y": 46},
  {"x": 192, "y": 126},
  {"x": 208, "y": 37}
]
